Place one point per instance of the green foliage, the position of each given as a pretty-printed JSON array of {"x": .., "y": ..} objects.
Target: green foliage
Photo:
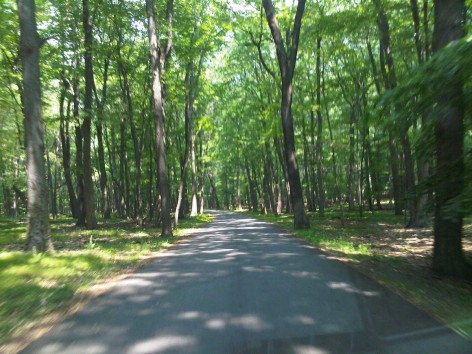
[
  {"x": 326, "y": 233},
  {"x": 417, "y": 95}
]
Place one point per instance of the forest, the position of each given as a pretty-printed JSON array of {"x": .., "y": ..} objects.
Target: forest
[
  {"x": 155, "y": 111},
  {"x": 365, "y": 129}
]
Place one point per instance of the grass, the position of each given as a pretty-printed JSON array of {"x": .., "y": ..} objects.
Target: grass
[
  {"x": 33, "y": 286},
  {"x": 379, "y": 246}
]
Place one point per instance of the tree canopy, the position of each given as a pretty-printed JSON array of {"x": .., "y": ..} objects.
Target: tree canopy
[{"x": 139, "y": 127}]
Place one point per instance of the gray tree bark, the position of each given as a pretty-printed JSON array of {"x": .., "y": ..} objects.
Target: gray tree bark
[
  {"x": 319, "y": 135},
  {"x": 164, "y": 187},
  {"x": 89, "y": 198},
  {"x": 38, "y": 230}
]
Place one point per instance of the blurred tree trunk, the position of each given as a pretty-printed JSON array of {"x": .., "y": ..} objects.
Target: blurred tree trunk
[
  {"x": 38, "y": 230},
  {"x": 390, "y": 81},
  {"x": 65, "y": 146},
  {"x": 319, "y": 133},
  {"x": 89, "y": 199},
  {"x": 448, "y": 256},
  {"x": 105, "y": 197}
]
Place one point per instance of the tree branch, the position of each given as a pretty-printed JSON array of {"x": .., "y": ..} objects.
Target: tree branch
[
  {"x": 277, "y": 37},
  {"x": 259, "y": 51},
  {"x": 164, "y": 54},
  {"x": 297, "y": 24}
]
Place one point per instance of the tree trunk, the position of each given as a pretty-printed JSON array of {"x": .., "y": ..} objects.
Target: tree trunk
[
  {"x": 390, "y": 83},
  {"x": 150, "y": 212},
  {"x": 257, "y": 187},
  {"x": 287, "y": 68},
  {"x": 158, "y": 106},
  {"x": 115, "y": 191},
  {"x": 448, "y": 256},
  {"x": 89, "y": 200},
  {"x": 412, "y": 199},
  {"x": 283, "y": 163},
  {"x": 306, "y": 162},
  {"x": 427, "y": 44},
  {"x": 79, "y": 166},
  {"x": 351, "y": 168},
  {"x": 188, "y": 133},
  {"x": 420, "y": 217},
  {"x": 252, "y": 188},
  {"x": 388, "y": 72},
  {"x": 138, "y": 205},
  {"x": 416, "y": 25},
  {"x": 105, "y": 197},
  {"x": 226, "y": 191},
  {"x": 214, "y": 194},
  {"x": 38, "y": 229},
  {"x": 319, "y": 135},
  {"x": 375, "y": 176},
  {"x": 337, "y": 192},
  {"x": 79, "y": 160},
  {"x": 238, "y": 186},
  {"x": 193, "y": 161},
  {"x": 65, "y": 146},
  {"x": 53, "y": 205},
  {"x": 201, "y": 205},
  {"x": 312, "y": 170},
  {"x": 103, "y": 173}
]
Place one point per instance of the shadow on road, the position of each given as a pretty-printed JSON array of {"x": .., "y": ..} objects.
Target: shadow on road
[{"x": 240, "y": 286}]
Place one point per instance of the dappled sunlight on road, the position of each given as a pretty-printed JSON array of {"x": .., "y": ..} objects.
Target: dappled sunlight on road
[
  {"x": 163, "y": 344},
  {"x": 350, "y": 289},
  {"x": 240, "y": 286}
]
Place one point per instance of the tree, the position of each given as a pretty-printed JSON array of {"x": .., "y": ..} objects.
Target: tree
[
  {"x": 38, "y": 231},
  {"x": 158, "y": 105},
  {"x": 88, "y": 196},
  {"x": 448, "y": 257},
  {"x": 388, "y": 71},
  {"x": 287, "y": 60}
]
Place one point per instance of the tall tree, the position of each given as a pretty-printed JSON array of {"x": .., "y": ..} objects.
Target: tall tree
[
  {"x": 448, "y": 256},
  {"x": 158, "y": 105},
  {"x": 65, "y": 144},
  {"x": 319, "y": 136},
  {"x": 287, "y": 60},
  {"x": 387, "y": 69},
  {"x": 420, "y": 217},
  {"x": 38, "y": 231},
  {"x": 88, "y": 196}
]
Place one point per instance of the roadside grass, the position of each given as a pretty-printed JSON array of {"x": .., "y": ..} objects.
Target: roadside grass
[
  {"x": 378, "y": 245},
  {"x": 34, "y": 285}
]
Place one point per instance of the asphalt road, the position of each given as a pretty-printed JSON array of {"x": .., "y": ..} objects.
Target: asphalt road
[{"x": 240, "y": 285}]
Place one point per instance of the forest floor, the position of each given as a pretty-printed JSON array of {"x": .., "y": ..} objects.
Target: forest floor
[
  {"x": 38, "y": 290},
  {"x": 379, "y": 246}
]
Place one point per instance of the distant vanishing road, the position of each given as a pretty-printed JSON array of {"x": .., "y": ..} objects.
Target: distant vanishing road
[{"x": 239, "y": 285}]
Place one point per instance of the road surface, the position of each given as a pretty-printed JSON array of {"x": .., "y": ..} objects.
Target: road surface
[{"x": 239, "y": 285}]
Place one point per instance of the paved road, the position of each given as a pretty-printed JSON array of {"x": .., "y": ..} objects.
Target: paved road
[{"x": 241, "y": 286}]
